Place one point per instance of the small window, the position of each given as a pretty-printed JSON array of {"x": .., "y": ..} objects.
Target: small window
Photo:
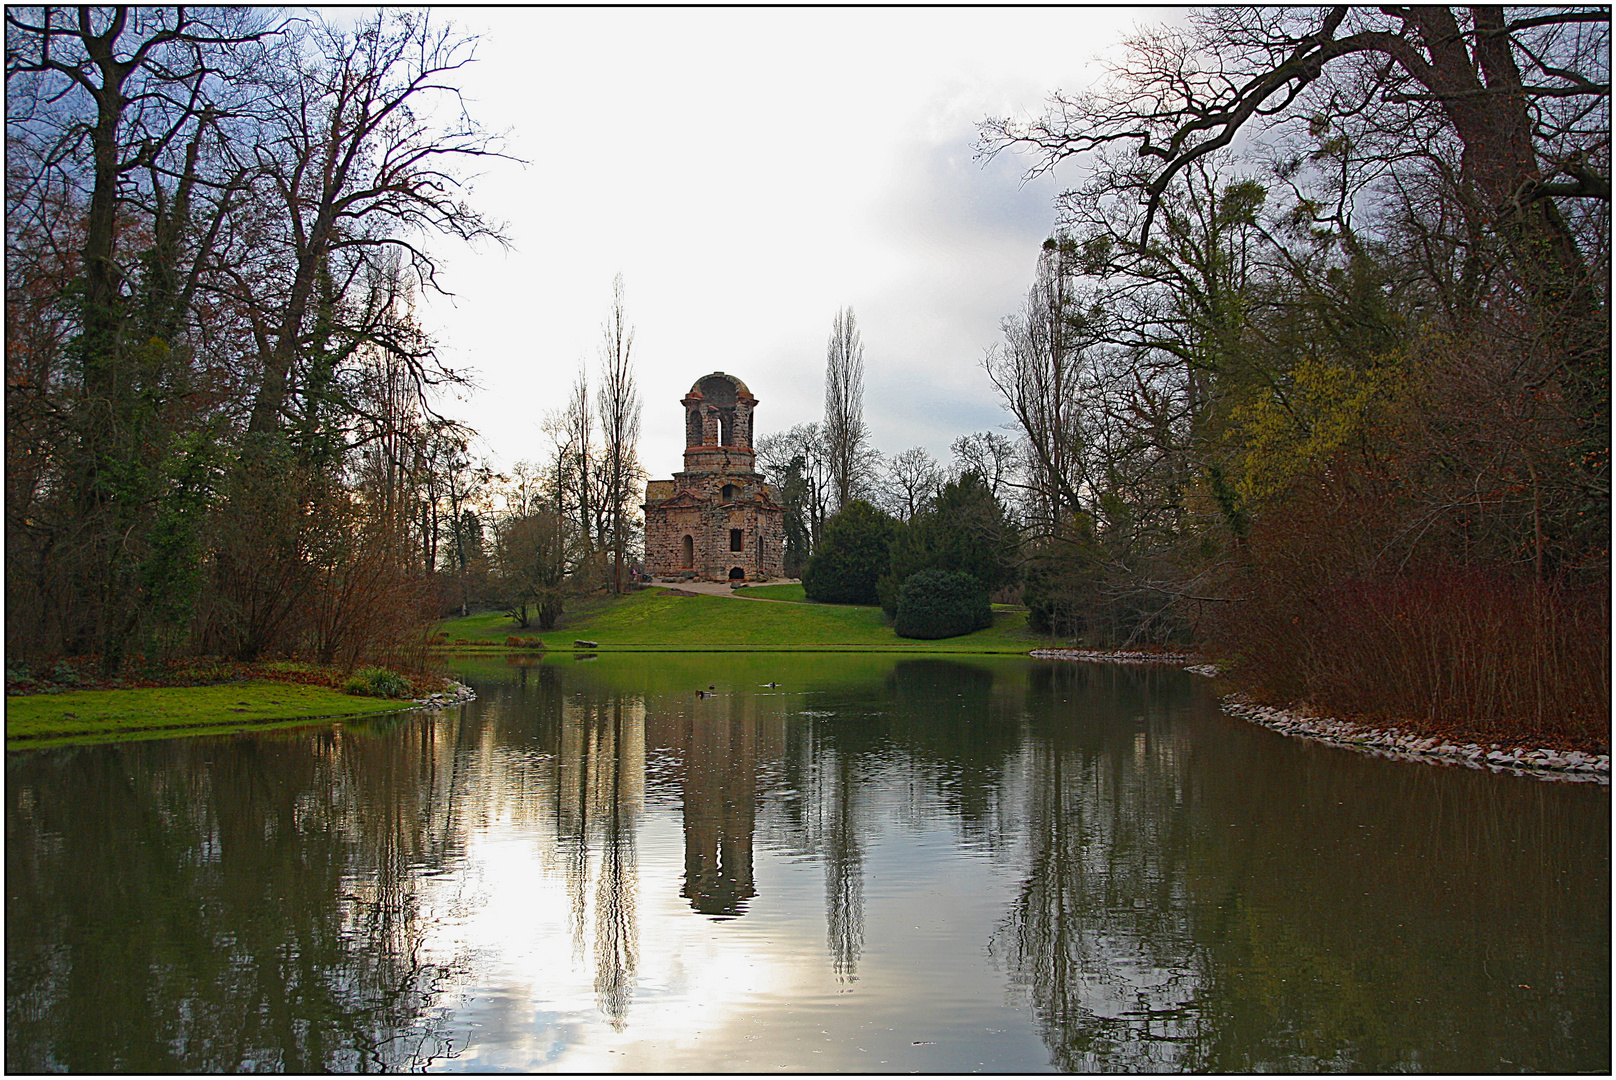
[
  {"x": 737, "y": 540},
  {"x": 730, "y": 491}
]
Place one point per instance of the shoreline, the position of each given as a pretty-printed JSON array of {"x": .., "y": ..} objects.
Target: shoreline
[
  {"x": 65, "y": 735},
  {"x": 1389, "y": 741},
  {"x": 1573, "y": 766}
]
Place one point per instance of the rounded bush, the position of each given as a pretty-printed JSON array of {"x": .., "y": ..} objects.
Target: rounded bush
[{"x": 941, "y": 604}]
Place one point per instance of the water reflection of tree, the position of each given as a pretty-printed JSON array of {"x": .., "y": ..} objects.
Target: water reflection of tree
[
  {"x": 599, "y": 795},
  {"x": 961, "y": 727},
  {"x": 844, "y": 866},
  {"x": 1095, "y": 938},
  {"x": 940, "y": 730},
  {"x": 1205, "y": 896},
  {"x": 192, "y": 905},
  {"x": 1090, "y": 937}
]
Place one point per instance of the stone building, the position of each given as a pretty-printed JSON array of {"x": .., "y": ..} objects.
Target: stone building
[{"x": 716, "y": 520}]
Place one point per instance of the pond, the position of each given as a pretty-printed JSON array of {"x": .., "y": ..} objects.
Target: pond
[{"x": 831, "y": 862}]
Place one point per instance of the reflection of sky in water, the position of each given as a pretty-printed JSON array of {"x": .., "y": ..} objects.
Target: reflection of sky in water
[
  {"x": 755, "y": 992},
  {"x": 912, "y": 865}
]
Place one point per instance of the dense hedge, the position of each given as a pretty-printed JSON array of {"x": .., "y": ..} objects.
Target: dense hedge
[
  {"x": 942, "y": 604},
  {"x": 852, "y": 555},
  {"x": 962, "y": 528}
]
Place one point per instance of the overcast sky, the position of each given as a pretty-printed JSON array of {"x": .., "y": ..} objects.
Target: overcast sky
[{"x": 750, "y": 172}]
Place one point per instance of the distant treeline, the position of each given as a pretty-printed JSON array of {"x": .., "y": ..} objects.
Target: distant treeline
[
  {"x": 1317, "y": 366},
  {"x": 1316, "y": 369},
  {"x": 218, "y": 427}
]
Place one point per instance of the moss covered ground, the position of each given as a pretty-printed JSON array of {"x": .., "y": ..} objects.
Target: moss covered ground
[
  {"x": 657, "y": 620},
  {"x": 81, "y": 716}
]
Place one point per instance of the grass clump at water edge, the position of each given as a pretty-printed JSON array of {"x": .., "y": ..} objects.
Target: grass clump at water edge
[{"x": 378, "y": 682}]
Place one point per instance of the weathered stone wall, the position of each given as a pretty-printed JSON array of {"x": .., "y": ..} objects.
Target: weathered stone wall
[
  {"x": 692, "y": 503},
  {"x": 700, "y": 513}
]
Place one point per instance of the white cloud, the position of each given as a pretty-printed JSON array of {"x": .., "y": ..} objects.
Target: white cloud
[{"x": 750, "y": 172}]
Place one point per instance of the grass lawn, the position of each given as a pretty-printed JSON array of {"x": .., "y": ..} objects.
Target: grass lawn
[
  {"x": 81, "y": 716},
  {"x": 657, "y": 620}
]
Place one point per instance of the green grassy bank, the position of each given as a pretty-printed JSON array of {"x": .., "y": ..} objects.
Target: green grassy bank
[
  {"x": 656, "y": 620},
  {"x": 87, "y": 716},
  {"x": 790, "y": 592}
]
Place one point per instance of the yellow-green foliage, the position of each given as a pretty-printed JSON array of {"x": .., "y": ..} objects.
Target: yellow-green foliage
[{"x": 1320, "y": 408}]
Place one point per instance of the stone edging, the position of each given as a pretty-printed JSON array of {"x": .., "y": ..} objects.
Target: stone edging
[
  {"x": 459, "y": 693},
  {"x": 1104, "y": 656},
  {"x": 1391, "y": 743},
  {"x": 1543, "y": 764}
]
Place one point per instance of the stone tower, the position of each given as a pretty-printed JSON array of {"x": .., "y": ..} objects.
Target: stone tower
[{"x": 716, "y": 520}]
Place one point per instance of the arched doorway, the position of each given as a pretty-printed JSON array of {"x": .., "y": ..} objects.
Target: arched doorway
[
  {"x": 737, "y": 573},
  {"x": 687, "y": 552}
]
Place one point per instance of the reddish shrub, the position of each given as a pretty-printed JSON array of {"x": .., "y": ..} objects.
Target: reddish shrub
[{"x": 1472, "y": 649}]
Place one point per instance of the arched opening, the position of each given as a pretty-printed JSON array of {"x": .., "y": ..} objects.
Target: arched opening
[
  {"x": 687, "y": 552},
  {"x": 726, "y": 427},
  {"x": 737, "y": 573},
  {"x": 693, "y": 427},
  {"x": 730, "y": 491}
]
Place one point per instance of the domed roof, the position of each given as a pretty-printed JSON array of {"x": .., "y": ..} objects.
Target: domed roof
[{"x": 705, "y": 385}]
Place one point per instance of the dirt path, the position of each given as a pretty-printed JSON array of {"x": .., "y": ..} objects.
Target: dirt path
[{"x": 719, "y": 588}]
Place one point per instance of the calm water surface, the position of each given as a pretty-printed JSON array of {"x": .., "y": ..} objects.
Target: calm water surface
[{"x": 879, "y": 864}]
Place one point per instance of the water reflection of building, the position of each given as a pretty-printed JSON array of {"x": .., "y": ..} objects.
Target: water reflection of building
[{"x": 720, "y": 805}]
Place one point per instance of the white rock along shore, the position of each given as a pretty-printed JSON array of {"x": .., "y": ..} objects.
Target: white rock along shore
[
  {"x": 1116, "y": 656},
  {"x": 458, "y": 694},
  {"x": 1389, "y": 742},
  {"x": 1542, "y": 764}
]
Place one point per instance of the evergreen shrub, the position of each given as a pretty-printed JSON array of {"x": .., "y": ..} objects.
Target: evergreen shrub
[
  {"x": 942, "y": 604},
  {"x": 962, "y": 528},
  {"x": 852, "y": 556}
]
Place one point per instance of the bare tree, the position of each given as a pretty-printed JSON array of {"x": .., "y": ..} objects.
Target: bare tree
[
  {"x": 619, "y": 408},
  {"x": 1525, "y": 95},
  {"x": 521, "y": 492},
  {"x": 846, "y": 437},
  {"x": 990, "y": 456},
  {"x": 359, "y": 170},
  {"x": 229, "y": 208},
  {"x": 535, "y": 553},
  {"x": 796, "y": 463},
  {"x": 912, "y": 478},
  {"x": 1040, "y": 373},
  {"x": 578, "y": 423},
  {"x": 108, "y": 111},
  {"x": 1486, "y": 129}
]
